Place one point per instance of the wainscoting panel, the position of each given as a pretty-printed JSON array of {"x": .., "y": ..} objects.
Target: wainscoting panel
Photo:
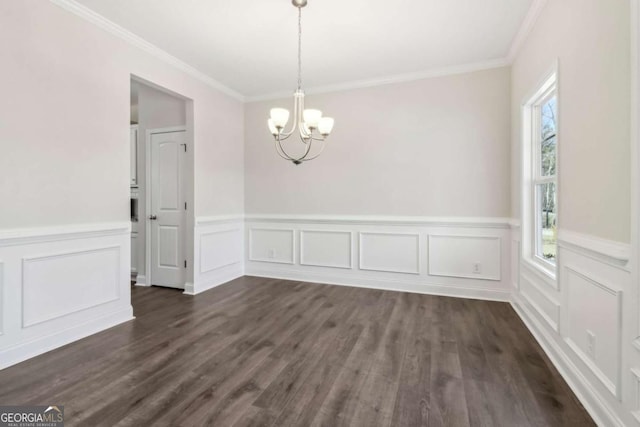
[
  {"x": 377, "y": 252},
  {"x": 218, "y": 252},
  {"x": 543, "y": 305},
  {"x": 219, "y": 249},
  {"x": 470, "y": 257},
  {"x": 390, "y": 252},
  {"x": 61, "y": 284},
  {"x": 271, "y": 245},
  {"x": 326, "y": 248},
  {"x": 578, "y": 319},
  {"x": 594, "y": 325}
]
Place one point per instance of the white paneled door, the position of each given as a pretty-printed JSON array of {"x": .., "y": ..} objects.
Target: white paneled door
[{"x": 167, "y": 217}]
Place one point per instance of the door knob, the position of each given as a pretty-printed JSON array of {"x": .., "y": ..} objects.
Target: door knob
[{"x": 153, "y": 217}]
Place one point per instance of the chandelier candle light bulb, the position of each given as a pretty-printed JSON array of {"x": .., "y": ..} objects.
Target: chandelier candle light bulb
[
  {"x": 272, "y": 128},
  {"x": 309, "y": 123},
  {"x": 279, "y": 117},
  {"x": 325, "y": 126},
  {"x": 312, "y": 118}
]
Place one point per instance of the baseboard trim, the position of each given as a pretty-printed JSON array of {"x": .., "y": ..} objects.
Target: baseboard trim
[
  {"x": 14, "y": 355},
  {"x": 391, "y": 284},
  {"x": 214, "y": 279},
  {"x": 141, "y": 280},
  {"x": 597, "y": 407}
]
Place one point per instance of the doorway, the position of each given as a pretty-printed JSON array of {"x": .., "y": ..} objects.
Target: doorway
[{"x": 161, "y": 186}]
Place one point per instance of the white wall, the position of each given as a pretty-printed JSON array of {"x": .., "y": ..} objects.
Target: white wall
[
  {"x": 433, "y": 147},
  {"x": 592, "y": 49},
  {"x": 585, "y": 318},
  {"x": 65, "y": 109},
  {"x": 411, "y": 193},
  {"x": 64, "y": 132}
]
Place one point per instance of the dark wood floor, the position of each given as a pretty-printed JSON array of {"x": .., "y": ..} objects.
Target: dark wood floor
[{"x": 265, "y": 352}]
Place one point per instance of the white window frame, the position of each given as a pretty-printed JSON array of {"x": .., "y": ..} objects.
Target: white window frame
[{"x": 532, "y": 175}]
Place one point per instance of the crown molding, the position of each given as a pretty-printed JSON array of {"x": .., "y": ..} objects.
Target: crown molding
[
  {"x": 95, "y": 18},
  {"x": 525, "y": 28},
  {"x": 397, "y": 78},
  {"x": 115, "y": 29}
]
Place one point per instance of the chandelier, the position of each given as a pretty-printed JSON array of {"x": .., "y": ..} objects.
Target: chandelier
[{"x": 311, "y": 127}]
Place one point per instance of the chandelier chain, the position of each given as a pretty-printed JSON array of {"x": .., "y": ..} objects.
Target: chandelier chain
[{"x": 299, "y": 48}]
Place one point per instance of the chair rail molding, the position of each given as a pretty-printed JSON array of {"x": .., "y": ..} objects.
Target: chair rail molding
[
  {"x": 22, "y": 236},
  {"x": 608, "y": 251},
  {"x": 473, "y": 222}
]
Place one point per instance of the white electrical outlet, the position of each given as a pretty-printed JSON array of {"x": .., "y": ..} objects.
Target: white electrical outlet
[
  {"x": 272, "y": 253},
  {"x": 591, "y": 344},
  {"x": 477, "y": 268}
]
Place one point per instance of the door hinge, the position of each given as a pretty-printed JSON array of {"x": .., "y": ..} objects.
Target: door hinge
[
  {"x": 185, "y": 206},
  {"x": 185, "y": 263}
]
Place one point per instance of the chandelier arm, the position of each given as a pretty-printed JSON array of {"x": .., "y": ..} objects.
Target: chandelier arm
[
  {"x": 306, "y": 153},
  {"x": 320, "y": 138},
  {"x": 284, "y": 136},
  {"x": 317, "y": 154},
  {"x": 296, "y": 159},
  {"x": 282, "y": 153}
]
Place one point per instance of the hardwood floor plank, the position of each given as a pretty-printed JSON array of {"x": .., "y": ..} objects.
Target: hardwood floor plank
[
  {"x": 269, "y": 352},
  {"x": 213, "y": 379},
  {"x": 312, "y": 350},
  {"x": 303, "y": 405},
  {"x": 256, "y": 417},
  {"x": 413, "y": 398},
  {"x": 447, "y": 394}
]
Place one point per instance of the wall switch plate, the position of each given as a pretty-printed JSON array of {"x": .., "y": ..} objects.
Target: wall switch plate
[{"x": 591, "y": 344}]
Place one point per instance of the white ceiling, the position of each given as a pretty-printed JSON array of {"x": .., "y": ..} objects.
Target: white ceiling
[{"x": 250, "y": 45}]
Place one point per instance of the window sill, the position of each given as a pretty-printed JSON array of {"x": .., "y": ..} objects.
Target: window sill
[{"x": 547, "y": 272}]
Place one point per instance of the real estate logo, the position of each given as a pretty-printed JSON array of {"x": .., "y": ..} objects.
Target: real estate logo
[{"x": 32, "y": 416}]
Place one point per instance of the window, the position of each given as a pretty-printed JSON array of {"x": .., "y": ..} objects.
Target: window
[
  {"x": 540, "y": 126},
  {"x": 544, "y": 179}
]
